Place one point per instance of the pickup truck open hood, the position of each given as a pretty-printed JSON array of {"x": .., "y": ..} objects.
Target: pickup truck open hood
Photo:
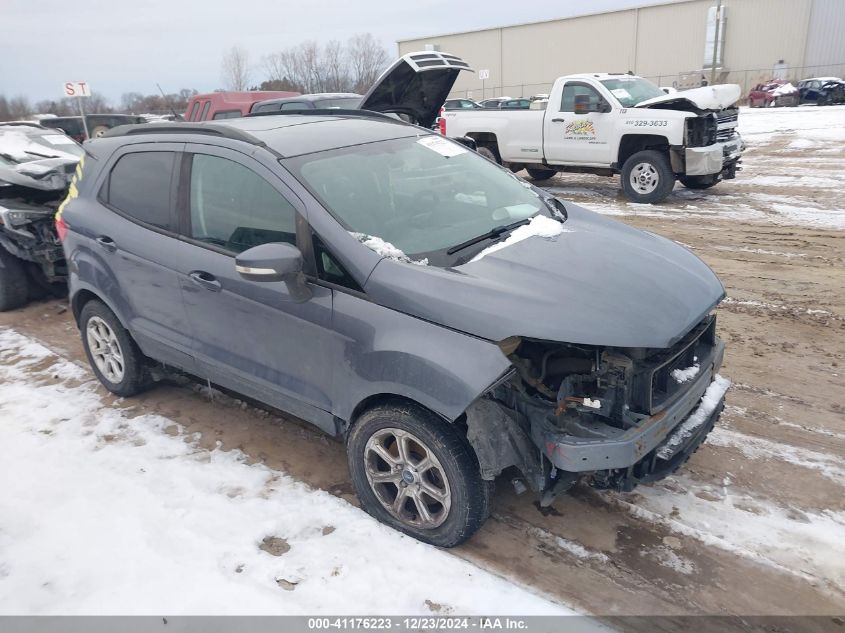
[
  {"x": 415, "y": 85},
  {"x": 705, "y": 98},
  {"x": 598, "y": 283}
]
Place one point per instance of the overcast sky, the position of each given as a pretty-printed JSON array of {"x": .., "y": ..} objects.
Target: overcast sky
[{"x": 120, "y": 46}]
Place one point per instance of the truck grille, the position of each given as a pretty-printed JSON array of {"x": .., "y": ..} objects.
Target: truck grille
[{"x": 726, "y": 123}]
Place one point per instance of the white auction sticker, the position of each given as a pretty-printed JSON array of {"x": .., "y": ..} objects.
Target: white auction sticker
[{"x": 441, "y": 145}]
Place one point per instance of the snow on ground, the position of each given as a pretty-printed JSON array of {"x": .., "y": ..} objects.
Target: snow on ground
[
  {"x": 792, "y": 174},
  {"x": 103, "y": 513}
]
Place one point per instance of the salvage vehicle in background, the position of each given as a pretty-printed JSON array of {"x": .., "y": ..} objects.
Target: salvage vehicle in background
[
  {"x": 315, "y": 101},
  {"x": 494, "y": 102},
  {"x": 98, "y": 124},
  {"x": 611, "y": 124},
  {"x": 776, "y": 93},
  {"x": 822, "y": 91},
  {"x": 36, "y": 167},
  {"x": 229, "y": 105},
  {"x": 394, "y": 288},
  {"x": 460, "y": 104}
]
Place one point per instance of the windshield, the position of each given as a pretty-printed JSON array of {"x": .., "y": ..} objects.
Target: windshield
[
  {"x": 630, "y": 91},
  {"x": 421, "y": 194},
  {"x": 20, "y": 146}
]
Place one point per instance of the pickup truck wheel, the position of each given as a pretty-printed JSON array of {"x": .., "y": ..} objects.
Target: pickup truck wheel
[
  {"x": 115, "y": 358},
  {"x": 647, "y": 177},
  {"x": 698, "y": 182},
  {"x": 489, "y": 154},
  {"x": 417, "y": 473},
  {"x": 14, "y": 284},
  {"x": 540, "y": 174}
]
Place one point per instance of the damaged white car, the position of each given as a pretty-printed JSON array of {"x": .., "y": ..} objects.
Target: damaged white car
[{"x": 36, "y": 167}]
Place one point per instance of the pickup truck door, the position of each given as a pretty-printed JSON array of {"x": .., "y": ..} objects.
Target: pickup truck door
[{"x": 585, "y": 138}]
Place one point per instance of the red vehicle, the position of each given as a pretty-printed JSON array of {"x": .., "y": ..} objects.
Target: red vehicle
[
  {"x": 775, "y": 93},
  {"x": 229, "y": 105}
]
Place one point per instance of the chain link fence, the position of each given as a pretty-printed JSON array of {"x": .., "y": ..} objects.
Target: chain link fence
[{"x": 747, "y": 79}]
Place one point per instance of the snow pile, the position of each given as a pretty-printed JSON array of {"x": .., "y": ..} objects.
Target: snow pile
[
  {"x": 386, "y": 249},
  {"x": 709, "y": 401},
  {"x": 684, "y": 375},
  {"x": 103, "y": 513},
  {"x": 539, "y": 226}
]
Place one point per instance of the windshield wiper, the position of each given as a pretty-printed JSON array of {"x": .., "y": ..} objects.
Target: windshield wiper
[{"x": 496, "y": 231}]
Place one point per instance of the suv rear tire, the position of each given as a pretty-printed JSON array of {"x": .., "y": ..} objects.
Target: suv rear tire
[
  {"x": 14, "y": 284},
  {"x": 114, "y": 357},
  {"x": 647, "y": 177},
  {"x": 443, "y": 502},
  {"x": 540, "y": 174}
]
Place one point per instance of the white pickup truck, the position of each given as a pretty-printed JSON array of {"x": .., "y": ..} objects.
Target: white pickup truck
[{"x": 611, "y": 124}]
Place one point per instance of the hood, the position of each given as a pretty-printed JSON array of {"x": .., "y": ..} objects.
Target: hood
[
  {"x": 415, "y": 85},
  {"x": 705, "y": 98},
  {"x": 50, "y": 174},
  {"x": 598, "y": 283}
]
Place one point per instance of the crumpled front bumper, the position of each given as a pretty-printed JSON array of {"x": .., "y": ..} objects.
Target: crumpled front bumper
[
  {"x": 712, "y": 159},
  {"x": 628, "y": 446}
]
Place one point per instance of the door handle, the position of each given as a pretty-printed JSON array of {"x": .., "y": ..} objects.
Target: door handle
[
  {"x": 557, "y": 120},
  {"x": 205, "y": 280},
  {"x": 107, "y": 243}
]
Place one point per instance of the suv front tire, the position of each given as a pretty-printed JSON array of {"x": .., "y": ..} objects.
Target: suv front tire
[{"x": 415, "y": 472}]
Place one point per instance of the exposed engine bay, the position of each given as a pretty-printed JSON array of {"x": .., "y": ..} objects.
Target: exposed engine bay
[{"x": 591, "y": 411}]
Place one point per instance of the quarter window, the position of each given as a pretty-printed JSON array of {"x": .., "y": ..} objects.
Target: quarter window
[
  {"x": 234, "y": 208},
  {"x": 194, "y": 111},
  {"x": 205, "y": 110},
  {"x": 227, "y": 114},
  {"x": 139, "y": 186},
  {"x": 570, "y": 91}
]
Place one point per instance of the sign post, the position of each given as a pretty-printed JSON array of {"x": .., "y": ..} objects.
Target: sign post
[
  {"x": 79, "y": 89},
  {"x": 483, "y": 75}
]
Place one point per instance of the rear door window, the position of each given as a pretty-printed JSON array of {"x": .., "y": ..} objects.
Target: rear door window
[
  {"x": 234, "y": 208},
  {"x": 139, "y": 187}
]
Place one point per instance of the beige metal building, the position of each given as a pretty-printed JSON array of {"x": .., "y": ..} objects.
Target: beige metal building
[{"x": 670, "y": 43}]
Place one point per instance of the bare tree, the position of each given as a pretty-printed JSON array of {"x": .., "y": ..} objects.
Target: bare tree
[
  {"x": 235, "y": 69},
  {"x": 19, "y": 107},
  {"x": 367, "y": 58},
  {"x": 336, "y": 67}
]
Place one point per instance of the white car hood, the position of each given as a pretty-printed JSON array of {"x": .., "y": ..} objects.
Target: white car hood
[{"x": 716, "y": 97}]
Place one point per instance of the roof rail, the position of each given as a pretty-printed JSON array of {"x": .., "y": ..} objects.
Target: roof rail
[
  {"x": 368, "y": 114},
  {"x": 183, "y": 128}
]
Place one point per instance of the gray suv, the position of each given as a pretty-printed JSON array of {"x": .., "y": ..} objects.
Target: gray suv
[{"x": 448, "y": 320}]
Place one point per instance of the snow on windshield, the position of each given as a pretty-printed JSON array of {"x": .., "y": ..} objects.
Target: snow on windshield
[
  {"x": 539, "y": 226},
  {"x": 386, "y": 249},
  {"x": 21, "y": 147}
]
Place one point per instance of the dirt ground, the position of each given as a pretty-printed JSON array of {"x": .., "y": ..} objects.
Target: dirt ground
[{"x": 753, "y": 524}]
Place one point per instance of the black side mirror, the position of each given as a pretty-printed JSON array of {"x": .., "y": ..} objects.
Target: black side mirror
[{"x": 270, "y": 262}]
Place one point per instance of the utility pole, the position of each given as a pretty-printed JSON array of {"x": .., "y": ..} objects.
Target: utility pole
[{"x": 715, "y": 42}]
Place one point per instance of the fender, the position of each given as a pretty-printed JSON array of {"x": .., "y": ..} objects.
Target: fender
[{"x": 389, "y": 352}]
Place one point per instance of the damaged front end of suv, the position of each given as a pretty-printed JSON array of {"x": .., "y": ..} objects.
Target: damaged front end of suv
[{"x": 614, "y": 417}]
